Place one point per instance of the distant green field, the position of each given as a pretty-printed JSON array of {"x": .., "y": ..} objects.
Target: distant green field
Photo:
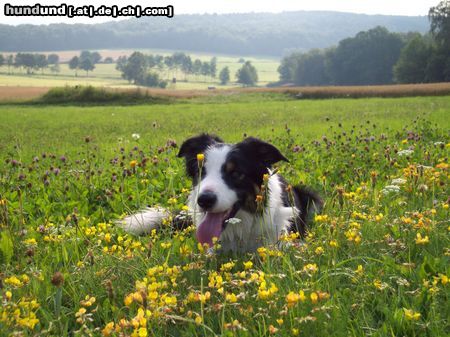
[
  {"x": 376, "y": 262},
  {"x": 107, "y": 75},
  {"x": 228, "y": 116}
]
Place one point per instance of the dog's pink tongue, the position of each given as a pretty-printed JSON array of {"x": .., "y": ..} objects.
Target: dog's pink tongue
[{"x": 210, "y": 227}]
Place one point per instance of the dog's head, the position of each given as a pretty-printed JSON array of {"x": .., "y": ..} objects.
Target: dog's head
[{"x": 228, "y": 179}]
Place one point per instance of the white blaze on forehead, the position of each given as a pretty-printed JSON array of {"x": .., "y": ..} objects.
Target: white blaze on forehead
[{"x": 215, "y": 158}]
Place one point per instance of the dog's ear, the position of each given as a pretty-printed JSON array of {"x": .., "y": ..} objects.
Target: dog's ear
[
  {"x": 261, "y": 151},
  {"x": 198, "y": 144}
]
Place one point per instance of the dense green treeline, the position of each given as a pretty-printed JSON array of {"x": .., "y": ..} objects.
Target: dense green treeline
[{"x": 377, "y": 56}]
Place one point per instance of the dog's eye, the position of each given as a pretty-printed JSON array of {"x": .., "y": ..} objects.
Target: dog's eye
[
  {"x": 230, "y": 166},
  {"x": 237, "y": 175}
]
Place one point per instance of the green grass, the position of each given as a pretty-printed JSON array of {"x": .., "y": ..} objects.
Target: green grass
[
  {"x": 91, "y": 95},
  {"x": 67, "y": 172}
]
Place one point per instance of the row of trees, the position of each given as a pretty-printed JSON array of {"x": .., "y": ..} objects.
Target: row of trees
[
  {"x": 30, "y": 61},
  {"x": 134, "y": 66},
  {"x": 377, "y": 56},
  {"x": 145, "y": 70}
]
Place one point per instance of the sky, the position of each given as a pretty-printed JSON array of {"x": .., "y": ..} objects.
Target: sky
[{"x": 386, "y": 7}]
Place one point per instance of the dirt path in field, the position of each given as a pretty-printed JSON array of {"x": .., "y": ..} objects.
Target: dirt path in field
[{"x": 19, "y": 93}]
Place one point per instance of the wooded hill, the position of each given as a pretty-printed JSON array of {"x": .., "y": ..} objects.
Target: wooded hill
[{"x": 240, "y": 34}]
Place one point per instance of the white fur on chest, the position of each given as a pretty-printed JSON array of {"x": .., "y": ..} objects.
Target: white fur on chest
[{"x": 253, "y": 230}]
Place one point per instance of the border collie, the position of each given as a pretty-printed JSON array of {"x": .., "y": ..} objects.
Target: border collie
[{"x": 235, "y": 197}]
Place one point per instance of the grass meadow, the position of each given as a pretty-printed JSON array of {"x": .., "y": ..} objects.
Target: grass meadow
[{"x": 376, "y": 262}]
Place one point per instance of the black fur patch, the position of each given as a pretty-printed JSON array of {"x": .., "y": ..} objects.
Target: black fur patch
[
  {"x": 305, "y": 200},
  {"x": 245, "y": 167},
  {"x": 193, "y": 146}
]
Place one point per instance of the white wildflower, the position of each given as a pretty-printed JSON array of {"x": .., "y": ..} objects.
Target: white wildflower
[
  {"x": 404, "y": 153},
  {"x": 390, "y": 189},
  {"x": 398, "y": 181},
  {"x": 135, "y": 136},
  {"x": 233, "y": 221}
]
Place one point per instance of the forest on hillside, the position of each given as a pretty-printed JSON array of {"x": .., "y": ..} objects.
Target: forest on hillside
[{"x": 241, "y": 34}]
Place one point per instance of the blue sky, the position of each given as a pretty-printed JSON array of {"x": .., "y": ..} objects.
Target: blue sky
[{"x": 387, "y": 7}]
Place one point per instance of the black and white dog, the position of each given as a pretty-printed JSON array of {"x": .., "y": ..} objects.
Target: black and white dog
[{"x": 235, "y": 196}]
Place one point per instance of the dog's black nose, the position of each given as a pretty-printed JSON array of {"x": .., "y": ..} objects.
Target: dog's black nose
[{"x": 206, "y": 200}]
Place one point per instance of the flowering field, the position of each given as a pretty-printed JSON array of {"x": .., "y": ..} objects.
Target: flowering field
[{"x": 376, "y": 262}]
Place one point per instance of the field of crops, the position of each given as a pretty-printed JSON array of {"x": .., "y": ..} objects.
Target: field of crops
[{"x": 376, "y": 262}]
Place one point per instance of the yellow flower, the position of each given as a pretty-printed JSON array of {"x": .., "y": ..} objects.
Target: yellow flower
[
  {"x": 80, "y": 312},
  {"x": 29, "y": 321},
  {"x": 14, "y": 281},
  {"x": 379, "y": 285},
  {"x": 204, "y": 297},
  {"x": 30, "y": 242},
  {"x": 142, "y": 332},
  {"x": 88, "y": 301},
  {"x": 444, "y": 279},
  {"x": 319, "y": 250},
  {"x": 200, "y": 158},
  {"x": 128, "y": 300},
  {"x": 310, "y": 268},
  {"x": 170, "y": 300},
  {"x": 379, "y": 217},
  {"x": 334, "y": 243},
  {"x": 230, "y": 297},
  {"x": 198, "y": 320},
  {"x": 264, "y": 293},
  {"x": 314, "y": 297},
  {"x": 321, "y": 218},
  {"x": 359, "y": 270},
  {"x": 227, "y": 266},
  {"x": 8, "y": 295},
  {"x": 422, "y": 240},
  {"x": 108, "y": 237},
  {"x": 108, "y": 329},
  {"x": 293, "y": 298},
  {"x": 248, "y": 265},
  {"x": 411, "y": 314},
  {"x": 302, "y": 296},
  {"x": 172, "y": 201},
  {"x": 133, "y": 163},
  {"x": 166, "y": 245}
]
